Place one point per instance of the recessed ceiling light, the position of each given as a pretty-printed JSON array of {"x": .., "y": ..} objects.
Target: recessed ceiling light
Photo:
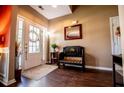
[{"x": 54, "y": 6}]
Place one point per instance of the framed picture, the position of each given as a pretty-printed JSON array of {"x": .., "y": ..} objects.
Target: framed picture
[{"x": 73, "y": 32}]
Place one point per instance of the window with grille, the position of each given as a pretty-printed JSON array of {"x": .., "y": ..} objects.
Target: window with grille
[{"x": 34, "y": 39}]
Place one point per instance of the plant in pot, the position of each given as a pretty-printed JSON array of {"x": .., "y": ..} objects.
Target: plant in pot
[{"x": 54, "y": 46}]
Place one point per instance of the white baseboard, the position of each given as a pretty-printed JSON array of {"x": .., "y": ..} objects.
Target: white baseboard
[
  {"x": 94, "y": 67},
  {"x": 8, "y": 83},
  {"x": 99, "y": 68}
]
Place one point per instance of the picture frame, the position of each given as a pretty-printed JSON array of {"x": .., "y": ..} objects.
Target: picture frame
[{"x": 73, "y": 32}]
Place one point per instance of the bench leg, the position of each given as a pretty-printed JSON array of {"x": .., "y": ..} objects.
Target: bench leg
[
  {"x": 63, "y": 65},
  {"x": 83, "y": 68},
  {"x": 58, "y": 64}
]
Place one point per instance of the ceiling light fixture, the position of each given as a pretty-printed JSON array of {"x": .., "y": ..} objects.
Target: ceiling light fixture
[
  {"x": 75, "y": 22},
  {"x": 40, "y": 7},
  {"x": 54, "y": 6}
]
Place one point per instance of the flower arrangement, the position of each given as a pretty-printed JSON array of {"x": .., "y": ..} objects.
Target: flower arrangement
[
  {"x": 17, "y": 45},
  {"x": 118, "y": 33},
  {"x": 54, "y": 46},
  {"x": 16, "y": 49}
]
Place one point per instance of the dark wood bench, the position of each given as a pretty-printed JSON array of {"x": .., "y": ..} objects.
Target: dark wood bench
[{"x": 74, "y": 55}]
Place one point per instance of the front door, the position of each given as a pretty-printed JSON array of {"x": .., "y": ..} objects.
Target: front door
[
  {"x": 33, "y": 45},
  {"x": 32, "y": 49}
]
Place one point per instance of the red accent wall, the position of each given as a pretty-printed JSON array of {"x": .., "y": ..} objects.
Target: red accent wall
[{"x": 5, "y": 23}]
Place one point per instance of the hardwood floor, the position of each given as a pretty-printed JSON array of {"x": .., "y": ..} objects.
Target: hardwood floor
[{"x": 69, "y": 77}]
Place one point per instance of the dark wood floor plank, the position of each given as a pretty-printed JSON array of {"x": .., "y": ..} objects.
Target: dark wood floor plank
[{"x": 69, "y": 77}]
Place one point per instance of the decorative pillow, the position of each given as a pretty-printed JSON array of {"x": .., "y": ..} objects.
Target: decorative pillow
[{"x": 73, "y": 58}]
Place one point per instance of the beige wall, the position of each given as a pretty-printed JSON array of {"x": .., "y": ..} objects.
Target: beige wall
[
  {"x": 96, "y": 33},
  {"x": 32, "y": 15},
  {"x": 12, "y": 44}
]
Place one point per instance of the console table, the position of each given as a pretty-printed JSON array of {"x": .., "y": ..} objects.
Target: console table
[
  {"x": 117, "y": 73},
  {"x": 54, "y": 57}
]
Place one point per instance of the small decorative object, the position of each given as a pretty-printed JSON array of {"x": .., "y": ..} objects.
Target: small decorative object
[
  {"x": 72, "y": 50},
  {"x": 74, "y": 22},
  {"x": 16, "y": 49},
  {"x": 117, "y": 33},
  {"x": 54, "y": 46},
  {"x": 73, "y": 32}
]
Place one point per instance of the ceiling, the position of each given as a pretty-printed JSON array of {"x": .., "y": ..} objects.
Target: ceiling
[{"x": 51, "y": 12}]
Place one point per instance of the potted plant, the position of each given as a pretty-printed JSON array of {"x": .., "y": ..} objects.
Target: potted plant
[{"x": 54, "y": 46}]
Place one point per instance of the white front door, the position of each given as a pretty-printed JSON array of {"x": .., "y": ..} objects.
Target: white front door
[{"x": 31, "y": 44}]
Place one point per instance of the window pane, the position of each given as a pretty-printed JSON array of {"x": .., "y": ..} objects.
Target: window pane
[
  {"x": 20, "y": 31},
  {"x": 31, "y": 28},
  {"x": 33, "y": 49},
  {"x": 33, "y": 44},
  {"x": 34, "y": 36},
  {"x": 35, "y": 29},
  {"x": 20, "y": 24},
  {"x": 37, "y": 49},
  {"x": 33, "y": 41},
  {"x": 38, "y": 31},
  {"x": 30, "y": 49},
  {"x": 20, "y": 36},
  {"x": 30, "y": 44},
  {"x": 30, "y": 36},
  {"x": 38, "y": 44}
]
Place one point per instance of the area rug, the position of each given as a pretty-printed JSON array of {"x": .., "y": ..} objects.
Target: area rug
[{"x": 38, "y": 72}]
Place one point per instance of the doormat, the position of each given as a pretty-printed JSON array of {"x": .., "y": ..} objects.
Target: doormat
[{"x": 38, "y": 72}]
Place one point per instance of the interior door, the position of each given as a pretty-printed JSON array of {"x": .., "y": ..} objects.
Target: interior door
[{"x": 33, "y": 44}]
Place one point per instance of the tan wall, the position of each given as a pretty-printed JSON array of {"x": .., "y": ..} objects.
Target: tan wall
[
  {"x": 96, "y": 32},
  {"x": 32, "y": 15},
  {"x": 12, "y": 44}
]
